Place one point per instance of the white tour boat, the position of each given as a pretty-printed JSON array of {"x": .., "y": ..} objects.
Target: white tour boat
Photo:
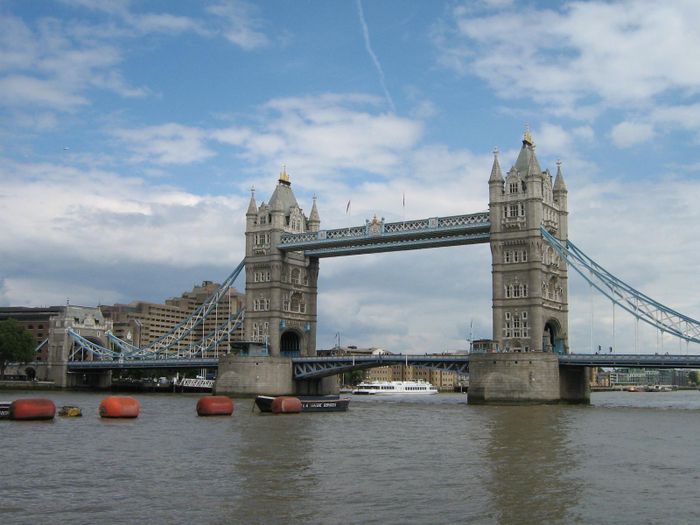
[{"x": 394, "y": 387}]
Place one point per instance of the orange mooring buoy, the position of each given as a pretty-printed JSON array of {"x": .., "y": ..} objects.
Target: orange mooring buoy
[
  {"x": 117, "y": 406},
  {"x": 29, "y": 409},
  {"x": 215, "y": 406},
  {"x": 286, "y": 405}
]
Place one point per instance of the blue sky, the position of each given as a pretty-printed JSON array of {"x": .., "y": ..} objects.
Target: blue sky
[{"x": 131, "y": 132}]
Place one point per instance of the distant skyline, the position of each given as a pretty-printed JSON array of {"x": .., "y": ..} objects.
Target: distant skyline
[{"x": 132, "y": 132}]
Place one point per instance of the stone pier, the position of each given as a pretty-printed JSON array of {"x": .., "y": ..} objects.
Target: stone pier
[
  {"x": 254, "y": 375},
  {"x": 531, "y": 377}
]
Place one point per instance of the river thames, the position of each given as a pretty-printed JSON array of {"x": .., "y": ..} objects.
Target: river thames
[{"x": 629, "y": 458}]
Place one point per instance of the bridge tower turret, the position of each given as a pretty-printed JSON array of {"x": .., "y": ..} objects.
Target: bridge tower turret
[
  {"x": 281, "y": 287},
  {"x": 530, "y": 298}
]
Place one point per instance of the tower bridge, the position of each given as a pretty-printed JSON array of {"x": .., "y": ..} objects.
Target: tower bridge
[{"x": 526, "y": 226}]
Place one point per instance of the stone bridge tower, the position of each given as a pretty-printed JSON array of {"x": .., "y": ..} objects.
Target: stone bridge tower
[
  {"x": 530, "y": 298},
  {"x": 281, "y": 287}
]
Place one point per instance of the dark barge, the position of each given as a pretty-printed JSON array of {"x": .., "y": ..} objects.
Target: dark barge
[{"x": 309, "y": 403}]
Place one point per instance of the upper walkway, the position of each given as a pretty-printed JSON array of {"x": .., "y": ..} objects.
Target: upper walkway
[{"x": 379, "y": 236}]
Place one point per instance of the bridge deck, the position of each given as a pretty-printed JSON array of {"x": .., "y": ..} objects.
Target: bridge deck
[
  {"x": 631, "y": 360},
  {"x": 135, "y": 364},
  {"x": 316, "y": 367}
]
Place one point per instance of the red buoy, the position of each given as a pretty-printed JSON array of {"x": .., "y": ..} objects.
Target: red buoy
[
  {"x": 215, "y": 406},
  {"x": 117, "y": 406},
  {"x": 28, "y": 409},
  {"x": 286, "y": 405}
]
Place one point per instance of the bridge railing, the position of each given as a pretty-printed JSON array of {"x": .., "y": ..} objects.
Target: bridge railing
[{"x": 379, "y": 228}]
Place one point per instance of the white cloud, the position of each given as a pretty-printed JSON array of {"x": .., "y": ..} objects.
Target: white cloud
[
  {"x": 240, "y": 25},
  {"x": 47, "y": 66},
  {"x": 26, "y": 91},
  {"x": 626, "y": 134},
  {"x": 48, "y": 292},
  {"x": 622, "y": 53},
  {"x": 584, "y": 133},
  {"x": 166, "y": 144},
  {"x": 85, "y": 233},
  {"x": 684, "y": 116},
  {"x": 324, "y": 135}
]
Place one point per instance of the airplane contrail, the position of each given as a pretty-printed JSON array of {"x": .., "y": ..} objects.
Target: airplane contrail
[{"x": 368, "y": 46}]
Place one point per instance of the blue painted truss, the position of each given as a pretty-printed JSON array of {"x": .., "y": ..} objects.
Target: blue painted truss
[
  {"x": 379, "y": 236},
  {"x": 141, "y": 364},
  {"x": 317, "y": 367},
  {"x": 635, "y": 302}
]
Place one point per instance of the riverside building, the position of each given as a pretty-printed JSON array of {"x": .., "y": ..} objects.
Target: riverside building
[{"x": 141, "y": 323}]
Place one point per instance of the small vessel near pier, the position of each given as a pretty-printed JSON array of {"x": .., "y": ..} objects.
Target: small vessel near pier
[
  {"x": 309, "y": 403},
  {"x": 373, "y": 388}
]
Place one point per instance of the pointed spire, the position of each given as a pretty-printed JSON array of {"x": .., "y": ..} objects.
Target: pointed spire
[
  {"x": 559, "y": 184},
  {"x": 534, "y": 165},
  {"x": 313, "y": 216},
  {"x": 252, "y": 207},
  {"x": 527, "y": 163},
  {"x": 496, "y": 175}
]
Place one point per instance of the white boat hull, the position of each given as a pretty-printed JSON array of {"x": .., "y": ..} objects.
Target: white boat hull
[{"x": 393, "y": 388}]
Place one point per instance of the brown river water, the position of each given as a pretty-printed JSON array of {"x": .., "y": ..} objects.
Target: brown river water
[{"x": 629, "y": 458}]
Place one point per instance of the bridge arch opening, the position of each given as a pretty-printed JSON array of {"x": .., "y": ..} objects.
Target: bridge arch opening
[
  {"x": 552, "y": 340},
  {"x": 290, "y": 344}
]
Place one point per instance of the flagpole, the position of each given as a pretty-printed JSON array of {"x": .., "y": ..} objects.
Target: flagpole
[{"x": 403, "y": 205}]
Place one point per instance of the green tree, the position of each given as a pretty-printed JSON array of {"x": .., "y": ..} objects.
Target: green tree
[
  {"x": 694, "y": 377},
  {"x": 16, "y": 344}
]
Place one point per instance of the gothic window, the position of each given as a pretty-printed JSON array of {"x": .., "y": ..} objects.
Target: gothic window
[
  {"x": 262, "y": 239},
  {"x": 521, "y": 209},
  {"x": 261, "y": 331},
  {"x": 513, "y": 187},
  {"x": 513, "y": 210},
  {"x": 524, "y": 255},
  {"x": 296, "y": 303},
  {"x": 261, "y": 304},
  {"x": 507, "y": 256},
  {"x": 296, "y": 276},
  {"x": 261, "y": 276},
  {"x": 516, "y": 256},
  {"x": 516, "y": 327}
]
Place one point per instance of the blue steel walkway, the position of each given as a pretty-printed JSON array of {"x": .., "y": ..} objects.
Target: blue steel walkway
[{"x": 379, "y": 236}]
